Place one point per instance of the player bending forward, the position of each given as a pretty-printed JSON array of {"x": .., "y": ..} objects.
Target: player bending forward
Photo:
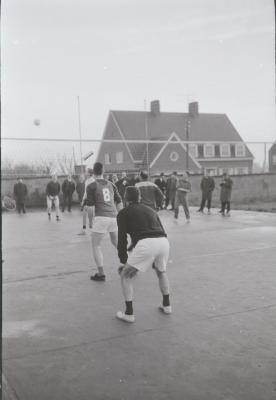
[
  {"x": 104, "y": 196},
  {"x": 150, "y": 249}
]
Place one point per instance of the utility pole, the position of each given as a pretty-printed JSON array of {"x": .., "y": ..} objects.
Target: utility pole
[
  {"x": 78, "y": 100},
  {"x": 147, "y": 136},
  {"x": 187, "y": 128}
]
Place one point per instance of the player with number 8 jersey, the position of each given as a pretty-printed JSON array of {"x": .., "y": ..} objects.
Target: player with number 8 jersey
[{"x": 104, "y": 196}]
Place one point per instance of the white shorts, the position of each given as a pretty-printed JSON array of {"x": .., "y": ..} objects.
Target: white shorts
[
  {"x": 149, "y": 251},
  {"x": 104, "y": 224}
]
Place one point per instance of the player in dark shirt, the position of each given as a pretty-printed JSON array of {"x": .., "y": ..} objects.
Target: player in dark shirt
[
  {"x": 104, "y": 196},
  {"x": 150, "y": 248},
  {"x": 52, "y": 192}
]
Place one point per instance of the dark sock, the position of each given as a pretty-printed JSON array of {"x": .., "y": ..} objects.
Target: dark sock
[
  {"x": 166, "y": 300},
  {"x": 129, "y": 308},
  {"x": 84, "y": 227}
]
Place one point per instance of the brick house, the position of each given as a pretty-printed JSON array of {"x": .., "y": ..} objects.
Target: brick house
[{"x": 215, "y": 144}]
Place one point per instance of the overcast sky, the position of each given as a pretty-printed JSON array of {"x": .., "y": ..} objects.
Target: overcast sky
[{"x": 116, "y": 53}]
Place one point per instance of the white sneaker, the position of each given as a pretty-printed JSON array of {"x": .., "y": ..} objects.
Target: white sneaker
[
  {"x": 82, "y": 232},
  {"x": 125, "y": 317},
  {"x": 166, "y": 309}
]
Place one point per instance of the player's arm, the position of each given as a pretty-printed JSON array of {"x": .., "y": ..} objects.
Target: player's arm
[
  {"x": 48, "y": 189},
  {"x": 158, "y": 194},
  {"x": 117, "y": 198},
  {"x": 122, "y": 237}
]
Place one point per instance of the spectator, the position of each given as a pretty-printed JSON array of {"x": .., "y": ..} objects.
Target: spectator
[
  {"x": 114, "y": 179},
  {"x": 207, "y": 187},
  {"x": 182, "y": 189},
  {"x": 171, "y": 190},
  {"x": 161, "y": 183},
  {"x": 20, "y": 193},
  {"x": 68, "y": 187},
  {"x": 80, "y": 187},
  {"x": 121, "y": 185},
  {"x": 151, "y": 195},
  {"x": 87, "y": 211},
  {"x": 225, "y": 193},
  {"x": 52, "y": 192}
]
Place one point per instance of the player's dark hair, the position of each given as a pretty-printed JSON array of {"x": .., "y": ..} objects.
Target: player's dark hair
[
  {"x": 144, "y": 175},
  {"x": 132, "y": 194},
  {"x": 98, "y": 168}
]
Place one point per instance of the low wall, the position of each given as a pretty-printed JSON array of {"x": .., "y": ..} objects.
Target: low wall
[
  {"x": 36, "y": 187},
  {"x": 247, "y": 189}
]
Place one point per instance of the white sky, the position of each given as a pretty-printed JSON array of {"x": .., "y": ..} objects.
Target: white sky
[{"x": 116, "y": 53}]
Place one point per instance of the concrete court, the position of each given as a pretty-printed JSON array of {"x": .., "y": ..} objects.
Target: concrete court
[{"x": 62, "y": 342}]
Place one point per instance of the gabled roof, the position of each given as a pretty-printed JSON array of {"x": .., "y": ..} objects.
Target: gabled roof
[{"x": 204, "y": 127}]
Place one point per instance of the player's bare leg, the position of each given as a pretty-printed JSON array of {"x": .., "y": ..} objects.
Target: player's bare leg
[
  {"x": 127, "y": 274},
  {"x": 114, "y": 238},
  {"x": 165, "y": 290},
  {"x": 98, "y": 255}
]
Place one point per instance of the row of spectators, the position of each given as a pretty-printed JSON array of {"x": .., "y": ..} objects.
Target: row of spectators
[{"x": 169, "y": 187}]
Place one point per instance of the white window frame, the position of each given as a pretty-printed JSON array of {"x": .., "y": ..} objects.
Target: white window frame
[
  {"x": 194, "y": 152},
  {"x": 107, "y": 158},
  {"x": 119, "y": 157},
  {"x": 212, "y": 170},
  {"x": 239, "y": 146},
  {"x": 223, "y": 147},
  {"x": 211, "y": 146}
]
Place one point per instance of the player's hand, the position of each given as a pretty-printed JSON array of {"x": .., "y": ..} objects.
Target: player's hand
[
  {"x": 129, "y": 272},
  {"x": 121, "y": 267}
]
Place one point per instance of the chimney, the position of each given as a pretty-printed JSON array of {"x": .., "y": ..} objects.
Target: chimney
[
  {"x": 155, "y": 107},
  {"x": 193, "y": 109}
]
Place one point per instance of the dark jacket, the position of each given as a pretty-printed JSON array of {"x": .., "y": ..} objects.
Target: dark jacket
[
  {"x": 121, "y": 185},
  {"x": 140, "y": 222},
  {"x": 171, "y": 184},
  {"x": 68, "y": 187},
  {"x": 207, "y": 184},
  {"x": 161, "y": 183},
  {"x": 20, "y": 191},
  {"x": 151, "y": 195},
  {"x": 52, "y": 188},
  {"x": 80, "y": 187},
  {"x": 226, "y": 189}
]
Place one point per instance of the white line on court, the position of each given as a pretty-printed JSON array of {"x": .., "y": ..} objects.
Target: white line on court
[{"x": 233, "y": 252}]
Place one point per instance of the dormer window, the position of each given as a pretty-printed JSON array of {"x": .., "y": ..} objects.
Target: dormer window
[
  {"x": 107, "y": 158},
  {"x": 240, "y": 150},
  {"x": 209, "y": 150},
  {"x": 225, "y": 150}
]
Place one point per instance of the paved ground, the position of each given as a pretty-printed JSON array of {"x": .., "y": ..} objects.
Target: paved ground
[{"x": 61, "y": 340}]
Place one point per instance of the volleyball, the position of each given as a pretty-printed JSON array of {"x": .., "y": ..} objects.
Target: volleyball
[{"x": 37, "y": 122}]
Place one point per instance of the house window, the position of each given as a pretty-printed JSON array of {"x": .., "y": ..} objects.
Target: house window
[
  {"x": 119, "y": 157},
  {"x": 231, "y": 171},
  {"x": 174, "y": 156},
  {"x": 240, "y": 150},
  {"x": 209, "y": 150},
  {"x": 225, "y": 150},
  {"x": 274, "y": 159},
  {"x": 242, "y": 170},
  {"x": 193, "y": 151},
  {"x": 107, "y": 158},
  {"x": 211, "y": 171}
]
